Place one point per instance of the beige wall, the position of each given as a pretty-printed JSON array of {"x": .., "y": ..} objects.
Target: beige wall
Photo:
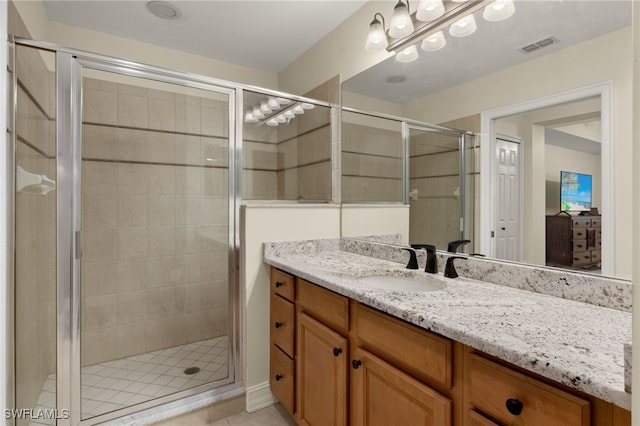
[
  {"x": 635, "y": 204},
  {"x": 155, "y": 218},
  {"x": 260, "y": 223},
  {"x": 361, "y": 220},
  {"x": 35, "y": 231}
]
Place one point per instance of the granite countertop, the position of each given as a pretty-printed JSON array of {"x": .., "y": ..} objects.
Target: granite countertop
[{"x": 574, "y": 343}]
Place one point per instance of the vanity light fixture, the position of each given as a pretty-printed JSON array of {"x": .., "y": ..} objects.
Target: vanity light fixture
[
  {"x": 427, "y": 23},
  {"x": 274, "y": 111}
]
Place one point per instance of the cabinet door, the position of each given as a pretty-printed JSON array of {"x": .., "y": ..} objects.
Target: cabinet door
[
  {"x": 383, "y": 395},
  {"x": 322, "y": 367}
]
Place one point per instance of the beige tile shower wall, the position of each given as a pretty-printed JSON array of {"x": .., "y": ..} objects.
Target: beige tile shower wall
[
  {"x": 35, "y": 231},
  {"x": 371, "y": 164},
  {"x": 155, "y": 217}
]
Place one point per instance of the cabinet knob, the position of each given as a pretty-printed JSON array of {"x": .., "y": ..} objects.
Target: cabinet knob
[
  {"x": 278, "y": 324},
  {"x": 514, "y": 406},
  {"x": 278, "y": 284},
  {"x": 337, "y": 351},
  {"x": 356, "y": 363},
  {"x": 278, "y": 377}
]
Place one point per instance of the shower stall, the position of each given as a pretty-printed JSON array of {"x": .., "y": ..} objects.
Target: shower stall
[{"x": 126, "y": 199}]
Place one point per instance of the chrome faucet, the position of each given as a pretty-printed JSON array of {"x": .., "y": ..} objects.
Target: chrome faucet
[{"x": 450, "y": 269}]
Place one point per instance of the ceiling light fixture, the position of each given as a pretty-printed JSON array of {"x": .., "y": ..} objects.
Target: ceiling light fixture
[
  {"x": 164, "y": 9},
  {"x": 426, "y": 24},
  {"x": 274, "y": 111}
]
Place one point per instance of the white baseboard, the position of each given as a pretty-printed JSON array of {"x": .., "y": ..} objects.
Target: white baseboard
[{"x": 259, "y": 396}]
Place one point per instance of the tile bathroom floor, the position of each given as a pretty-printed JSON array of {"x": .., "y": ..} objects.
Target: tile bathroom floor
[
  {"x": 273, "y": 415},
  {"x": 127, "y": 381}
]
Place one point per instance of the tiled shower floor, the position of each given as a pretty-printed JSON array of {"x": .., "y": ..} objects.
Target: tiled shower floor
[{"x": 117, "y": 384}]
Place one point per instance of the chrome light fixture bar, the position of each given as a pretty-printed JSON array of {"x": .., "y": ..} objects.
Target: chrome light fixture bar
[{"x": 453, "y": 11}]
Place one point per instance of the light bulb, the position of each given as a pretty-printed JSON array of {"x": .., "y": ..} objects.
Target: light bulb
[
  {"x": 428, "y": 10},
  {"x": 401, "y": 24},
  {"x": 283, "y": 101},
  {"x": 289, "y": 114},
  {"x": 297, "y": 110},
  {"x": 409, "y": 54},
  {"x": 249, "y": 118},
  {"x": 463, "y": 27},
  {"x": 306, "y": 105},
  {"x": 273, "y": 103},
  {"x": 281, "y": 119},
  {"x": 434, "y": 42},
  {"x": 272, "y": 122},
  {"x": 376, "y": 39},
  {"x": 499, "y": 10},
  {"x": 257, "y": 113},
  {"x": 264, "y": 108}
]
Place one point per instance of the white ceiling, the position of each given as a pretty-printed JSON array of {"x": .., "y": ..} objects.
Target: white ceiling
[
  {"x": 494, "y": 46},
  {"x": 261, "y": 34}
]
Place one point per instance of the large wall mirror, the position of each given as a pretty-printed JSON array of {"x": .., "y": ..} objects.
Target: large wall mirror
[{"x": 546, "y": 96}]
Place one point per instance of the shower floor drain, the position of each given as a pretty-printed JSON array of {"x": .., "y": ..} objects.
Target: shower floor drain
[{"x": 192, "y": 370}]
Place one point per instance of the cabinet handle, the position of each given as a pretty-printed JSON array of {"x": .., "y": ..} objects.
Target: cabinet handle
[
  {"x": 356, "y": 363},
  {"x": 278, "y": 284},
  {"x": 278, "y": 377},
  {"x": 514, "y": 406},
  {"x": 337, "y": 351},
  {"x": 278, "y": 324}
]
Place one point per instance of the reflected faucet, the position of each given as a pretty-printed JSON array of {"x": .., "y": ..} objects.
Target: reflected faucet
[
  {"x": 450, "y": 269},
  {"x": 452, "y": 247},
  {"x": 413, "y": 259},
  {"x": 432, "y": 260}
]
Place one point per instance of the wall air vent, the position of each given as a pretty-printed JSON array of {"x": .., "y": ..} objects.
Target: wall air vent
[{"x": 548, "y": 41}]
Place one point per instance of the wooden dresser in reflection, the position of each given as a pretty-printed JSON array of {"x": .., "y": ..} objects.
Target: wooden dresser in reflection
[{"x": 573, "y": 241}]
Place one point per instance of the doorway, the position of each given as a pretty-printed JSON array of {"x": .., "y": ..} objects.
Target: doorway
[{"x": 508, "y": 226}]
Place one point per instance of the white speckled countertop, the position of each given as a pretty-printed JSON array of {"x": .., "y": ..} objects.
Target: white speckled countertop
[{"x": 574, "y": 343}]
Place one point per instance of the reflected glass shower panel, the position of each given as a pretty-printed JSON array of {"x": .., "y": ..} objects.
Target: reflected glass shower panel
[
  {"x": 434, "y": 188},
  {"x": 155, "y": 204},
  {"x": 35, "y": 230},
  {"x": 286, "y": 149},
  {"x": 372, "y": 164}
]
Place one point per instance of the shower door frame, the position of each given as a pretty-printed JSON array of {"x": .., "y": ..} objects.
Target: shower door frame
[
  {"x": 69, "y": 66},
  {"x": 407, "y": 127}
]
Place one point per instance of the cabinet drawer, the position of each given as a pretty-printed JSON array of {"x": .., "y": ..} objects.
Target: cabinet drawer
[
  {"x": 579, "y": 245},
  {"x": 416, "y": 351},
  {"x": 596, "y": 222},
  {"x": 583, "y": 258},
  {"x": 596, "y": 256},
  {"x": 282, "y": 327},
  {"x": 282, "y": 379},
  {"x": 579, "y": 234},
  {"x": 492, "y": 385},
  {"x": 326, "y": 306},
  {"x": 283, "y": 284},
  {"x": 581, "y": 222},
  {"x": 476, "y": 419}
]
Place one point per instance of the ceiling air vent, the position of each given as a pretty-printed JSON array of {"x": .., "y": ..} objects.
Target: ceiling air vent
[{"x": 539, "y": 44}]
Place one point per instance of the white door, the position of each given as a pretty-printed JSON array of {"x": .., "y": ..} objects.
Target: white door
[{"x": 508, "y": 215}]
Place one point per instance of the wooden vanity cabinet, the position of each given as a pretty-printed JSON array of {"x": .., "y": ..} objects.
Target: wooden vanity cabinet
[
  {"x": 383, "y": 395},
  {"x": 282, "y": 338},
  {"x": 352, "y": 364},
  {"x": 322, "y": 357}
]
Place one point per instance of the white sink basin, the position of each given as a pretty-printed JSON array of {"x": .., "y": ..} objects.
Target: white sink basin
[{"x": 412, "y": 284}]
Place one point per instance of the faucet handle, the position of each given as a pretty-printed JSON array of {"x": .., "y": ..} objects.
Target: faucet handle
[
  {"x": 413, "y": 259},
  {"x": 450, "y": 269},
  {"x": 452, "y": 247}
]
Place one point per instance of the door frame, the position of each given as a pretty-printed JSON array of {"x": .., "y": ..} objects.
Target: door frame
[
  {"x": 487, "y": 181},
  {"x": 517, "y": 140}
]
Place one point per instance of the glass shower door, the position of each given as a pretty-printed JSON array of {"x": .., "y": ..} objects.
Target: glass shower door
[
  {"x": 436, "y": 190},
  {"x": 157, "y": 215}
]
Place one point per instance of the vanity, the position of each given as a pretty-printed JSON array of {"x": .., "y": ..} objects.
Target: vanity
[{"x": 345, "y": 350}]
